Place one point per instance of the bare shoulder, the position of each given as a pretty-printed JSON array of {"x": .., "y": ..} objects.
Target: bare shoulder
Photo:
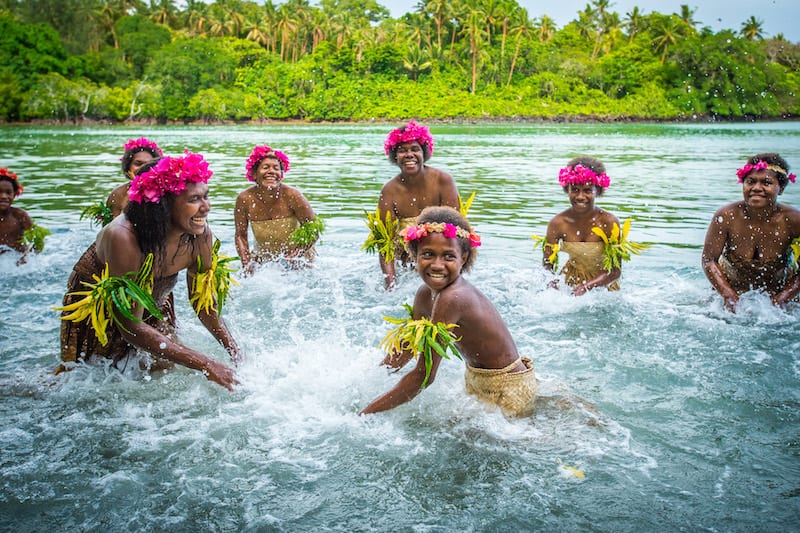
[
  {"x": 440, "y": 175},
  {"x": 117, "y": 244},
  {"x": 792, "y": 217},
  {"x": 21, "y": 215},
  {"x": 558, "y": 223},
  {"x": 728, "y": 212},
  {"x": 457, "y": 301},
  {"x": 291, "y": 193},
  {"x": 247, "y": 194}
]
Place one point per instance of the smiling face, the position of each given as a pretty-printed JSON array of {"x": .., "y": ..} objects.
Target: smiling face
[
  {"x": 581, "y": 197},
  {"x": 190, "y": 209},
  {"x": 410, "y": 157},
  {"x": 268, "y": 173},
  {"x": 6, "y": 195},
  {"x": 139, "y": 159},
  {"x": 761, "y": 189},
  {"x": 439, "y": 260}
]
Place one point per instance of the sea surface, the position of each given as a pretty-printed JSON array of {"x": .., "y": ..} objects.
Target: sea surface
[{"x": 659, "y": 410}]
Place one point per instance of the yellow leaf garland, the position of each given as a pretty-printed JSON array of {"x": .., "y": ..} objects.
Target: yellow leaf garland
[
  {"x": 463, "y": 207},
  {"x": 794, "y": 254},
  {"x": 111, "y": 296},
  {"x": 382, "y": 235},
  {"x": 554, "y": 249},
  {"x": 617, "y": 246},
  {"x": 210, "y": 287},
  {"x": 421, "y": 336}
]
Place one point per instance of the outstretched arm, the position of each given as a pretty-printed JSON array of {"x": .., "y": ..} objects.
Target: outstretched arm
[
  {"x": 124, "y": 256},
  {"x": 387, "y": 267},
  {"x": 714, "y": 245},
  {"x": 241, "y": 219},
  {"x": 406, "y": 389}
]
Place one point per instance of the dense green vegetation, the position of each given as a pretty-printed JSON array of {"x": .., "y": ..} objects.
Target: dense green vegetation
[{"x": 120, "y": 60}]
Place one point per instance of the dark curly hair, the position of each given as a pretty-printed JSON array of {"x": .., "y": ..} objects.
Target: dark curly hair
[
  {"x": 447, "y": 215},
  {"x": 592, "y": 163},
  {"x": 150, "y": 221}
]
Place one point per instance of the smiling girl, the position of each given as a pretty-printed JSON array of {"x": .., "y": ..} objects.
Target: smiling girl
[
  {"x": 571, "y": 231},
  {"x": 443, "y": 245},
  {"x": 748, "y": 245},
  {"x": 164, "y": 225}
]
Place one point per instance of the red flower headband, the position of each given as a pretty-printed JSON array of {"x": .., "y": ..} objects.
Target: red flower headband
[
  {"x": 259, "y": 153},
  {"x": 579, "y": 174},
  {"x": 142, "y": 143},
  {"x": 762, "y": 165},
  {"x": 451, "y": 231},
  {"x": 170, "y": 174},
  {"x": 5, "y": 173},
  {"x": 406, "y": 134}
]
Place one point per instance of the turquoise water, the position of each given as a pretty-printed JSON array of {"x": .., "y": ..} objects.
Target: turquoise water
[{"x": 696, "y": 423}]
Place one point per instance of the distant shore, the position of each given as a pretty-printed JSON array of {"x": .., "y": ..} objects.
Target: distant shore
[{"x": 565, "y": 119}]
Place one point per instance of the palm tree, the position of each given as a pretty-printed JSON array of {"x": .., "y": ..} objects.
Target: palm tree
[
  {"x": 634, "y": 22},
  {"x": 440, "y": 9},
  {"x": 666, "y": 34},
  {"x": 687, "y": 17},
  {"x": 416, "y": 61},
  {"x": 195, "y": 17},
  {"x": 752, "y": 29},
  {"x": 163, "y": 12},
  {"x": 473, "y": 29},
  {"x": 520, "y": 28},
  {"x": 286, "y": 26},
  {"x": 545, "y": 28}
]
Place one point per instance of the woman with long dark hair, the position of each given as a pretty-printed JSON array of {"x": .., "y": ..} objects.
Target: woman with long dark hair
[{"x": 163, "y": 232}]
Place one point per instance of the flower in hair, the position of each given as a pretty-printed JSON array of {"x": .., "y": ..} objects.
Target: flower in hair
[
  {"x": 5, "y": 173},
  {"x": 259, "y": 153},
  {"x": 406, "y": 134},
  {"x": 143, "y": 143},
  {"x": 170, "y": 174},
  {"x": 451, "y": 231},
  {"x": 762, "y": 165},
  {"x": 579, "y": 175}
]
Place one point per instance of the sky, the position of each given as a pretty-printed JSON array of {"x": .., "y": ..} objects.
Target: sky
[{"x": 777, "y": 16}]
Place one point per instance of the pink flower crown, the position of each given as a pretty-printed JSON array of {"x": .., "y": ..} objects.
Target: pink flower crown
[
  {"x": 170, "y": 174},
  {"x": 259, "y": 153},
  {"x": 406, "y": 134},
  {"x": 451, "y": 231},
  {"x": 762, "y": 165},
  {"x": 142, "y": 143},
  {"x": 579, "y": 174},
  {"x": 5, "y": 173}
]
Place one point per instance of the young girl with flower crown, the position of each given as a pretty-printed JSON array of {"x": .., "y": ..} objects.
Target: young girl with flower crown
[
  {"x": 451, "y": 315},
  {"x": 416, "y": 187},
  {"x": 14, "y": 222},
  {"x": 583, "y": 230},
  {"x": 120, "y": 294},
  {"x": 137, "y": 153},
  {"x": 754, "y": 244},
  {"x": 283, "y": 223}
]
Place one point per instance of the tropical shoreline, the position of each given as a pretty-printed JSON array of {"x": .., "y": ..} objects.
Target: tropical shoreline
[{"x": 566, "y": 119}]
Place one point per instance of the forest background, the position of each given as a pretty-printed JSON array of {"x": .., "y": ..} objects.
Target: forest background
[{"x": 349, "y": 60}]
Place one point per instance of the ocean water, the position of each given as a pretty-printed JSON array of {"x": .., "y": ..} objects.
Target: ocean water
[{"x": 680, "y": 415}]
